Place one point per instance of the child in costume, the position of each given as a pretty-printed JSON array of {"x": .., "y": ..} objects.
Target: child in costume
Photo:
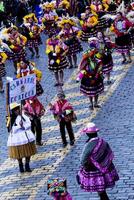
[
  {"x": 57, "y": 60},
  {"x": 97, "y": 171},
  {"x": 64, "y": 114},
  {"x": 57, "y": 188}
]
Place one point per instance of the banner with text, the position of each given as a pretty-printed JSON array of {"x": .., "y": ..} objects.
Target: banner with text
[{"x": 22, "y": 88}]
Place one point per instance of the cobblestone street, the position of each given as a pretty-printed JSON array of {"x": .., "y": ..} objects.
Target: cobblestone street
[{"x": 115, "y": 118}]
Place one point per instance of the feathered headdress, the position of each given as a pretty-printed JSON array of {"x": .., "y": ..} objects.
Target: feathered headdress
[
  {"x": 48, "y": 5},
  {"x": 31, "y": 15},
  {"x": 64, "y": 4},
  {"x": 66, "y": 20}
]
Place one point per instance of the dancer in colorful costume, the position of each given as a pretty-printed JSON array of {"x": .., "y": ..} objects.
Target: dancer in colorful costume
[
  {"x": 16, "y": 43},
  {"x": 70, "y": 35},
  {"x": 32, "y": 31},
  {"x": 57, "y": 60},
  {"x": 121, "y": 27},
  {"x": 88, "y": 22},
  {"x": 90, "y": 75},
  {"x": 49, "y": 19}
]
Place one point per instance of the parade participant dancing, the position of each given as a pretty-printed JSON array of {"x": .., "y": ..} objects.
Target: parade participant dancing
[
  {"x": 89, "y": 22},
  {"x": 121, "y": 28},
  {"x": 21, "y": 139},
  {"x": 64, "y": 114},
  {"x": 16, "y": 43},
  {"x": 97, "y": 171},
  {"x": 49, "y": 19},
  {"x": 70, "y": 36},
  {"x": 91, "y": 74},
  {"x": 32, "y": 31},
  {"x": 57, "y": 61},
  {"x": 98, "y": 10},
  {"x": 105, "y": 49}
]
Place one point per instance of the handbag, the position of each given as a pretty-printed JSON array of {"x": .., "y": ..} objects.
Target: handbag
[{"x": 71, "y": 117}]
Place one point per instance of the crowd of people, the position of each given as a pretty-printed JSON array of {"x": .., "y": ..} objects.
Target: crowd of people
[{"x": 68, "y": 24}]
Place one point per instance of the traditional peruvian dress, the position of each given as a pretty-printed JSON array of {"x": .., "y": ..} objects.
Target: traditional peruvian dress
[
  {"x": 97, "y": 9},
  {"x": 49, "y": 22},
  {"x": 122, "y": 40},
  {"x": 56, "y": 51},
  {"x": 91, "y": 76},
  {"x": 105, "y": 47},
  {"x": 21, "y": 140},
  {"x": 32, "y": 32},
  {"x": 89, "y": 27},
  {"x": 97, "y": 171},
  {"x": 70, "y": 38},
  {"x": 16, "y": 43}
]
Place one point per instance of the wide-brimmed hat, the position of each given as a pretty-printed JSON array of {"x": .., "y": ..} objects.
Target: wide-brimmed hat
[
  {"x": 90, "y": 128},
  {"x": 14, "y": 105}
]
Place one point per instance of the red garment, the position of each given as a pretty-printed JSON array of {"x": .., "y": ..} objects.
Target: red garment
[
  {"x": 34, "y": 107},
  {"x": 126, "y": 23},
  {"x": 61, "y": 106}
]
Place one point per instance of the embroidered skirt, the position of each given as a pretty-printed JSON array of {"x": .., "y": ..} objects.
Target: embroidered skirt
[
  {"x": 58, "y": 67},
  {"x": 90, "y": 88},
  {"x": 95, "y": 181},
  {"x": 123, "y": 43},
  {"x": 74, "y": 46},
  {"x": 21, "y": 151},
  {"x": 33, "y": 43},
  {"x": 17, "y": 56},
  {"x": 51, "y": 28},
  {"x": 107, "y": 63},
  {"x": 88, "y": 33},
  {"x": 2, "y": 70}
]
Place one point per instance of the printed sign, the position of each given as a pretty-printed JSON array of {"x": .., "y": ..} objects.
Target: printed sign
[{"x": 22, "y": 88}]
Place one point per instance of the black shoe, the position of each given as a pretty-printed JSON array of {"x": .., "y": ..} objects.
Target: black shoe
[
  {"x": 1, "y": 91},
  {"x": 39, "y": 143},
  {"x": 27, "y": 168},
  {"x": 21, "y": 168},
  {"x": 91, "y": 107},
  {"x": 72, "y": 142},
  {"x": 109, "y": 82},
  {"x": 56, "y": 84},
  {"x": 97, "y": 106},
  {"x": 64, "y": 144},
  {"x": 37, "y": 56},
  {"x": 32, "y": 55},
  {"x": 71, "y": 66},
  {"x": 124, "y": 61}
]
